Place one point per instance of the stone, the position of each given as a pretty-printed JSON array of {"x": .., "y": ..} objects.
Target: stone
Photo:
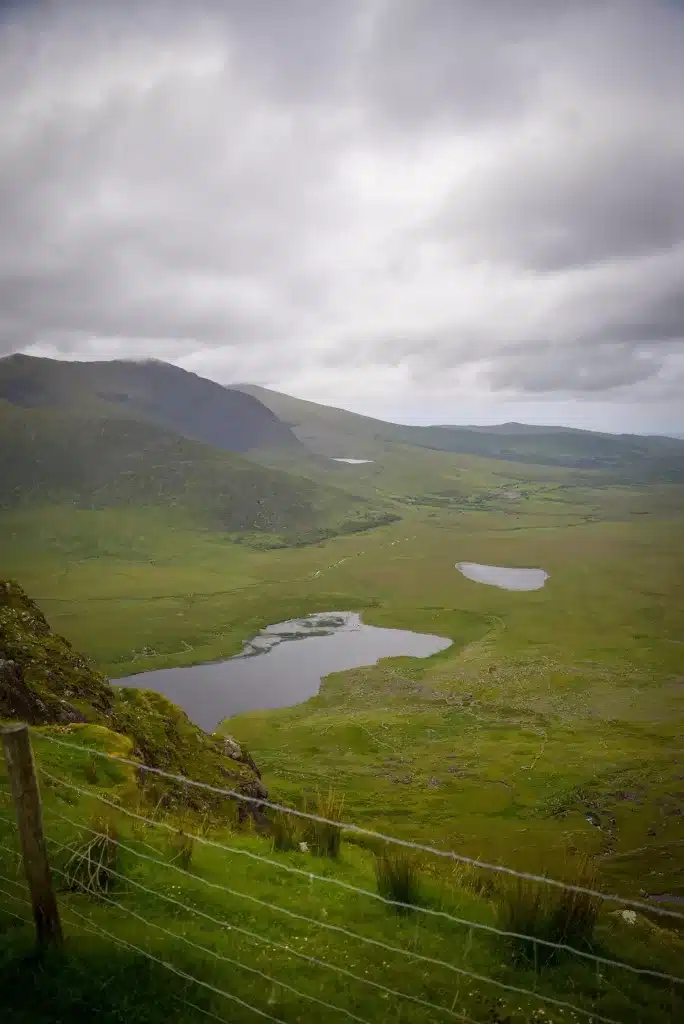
[{"x": 232, "y": 748}]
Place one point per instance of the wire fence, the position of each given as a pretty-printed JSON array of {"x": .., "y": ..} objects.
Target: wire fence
[{"x": 358, "y": 939}]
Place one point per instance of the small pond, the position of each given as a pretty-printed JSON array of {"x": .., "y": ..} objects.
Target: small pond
[
  {"x": 281, "y": 666},
  {"x": 353, "y": 462},
  {"x": 500, "y": 576}
]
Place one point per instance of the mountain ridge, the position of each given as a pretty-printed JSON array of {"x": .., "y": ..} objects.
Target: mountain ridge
[
  {"x": 151, "y": 390},
  {"x": 333, "y": 432}
]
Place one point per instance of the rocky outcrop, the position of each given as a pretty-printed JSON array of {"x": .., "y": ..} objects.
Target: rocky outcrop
[
  {"x": 18, "y": 701},
  {"x": 233, "y": 750},
  {"x": 43, "y": 681},
  {"x": 51, "y": 681}
]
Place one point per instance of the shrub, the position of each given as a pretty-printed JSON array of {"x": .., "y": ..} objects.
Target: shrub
[
  {"x": 322, "y": 838},
  {"x": 398, "y": 878},
  {"x": 93, "y": 862},
  {"x": 550, "y": 913}
]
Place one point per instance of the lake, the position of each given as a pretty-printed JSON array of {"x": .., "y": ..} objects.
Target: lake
[
  {"x": 501, "y": 576},
  {"x": 281, "y": 666}
]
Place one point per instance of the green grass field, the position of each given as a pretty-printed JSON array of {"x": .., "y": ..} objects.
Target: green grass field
[{"x": 551, "y": 727}]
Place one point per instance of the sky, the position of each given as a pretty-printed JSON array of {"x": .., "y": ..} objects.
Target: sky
[{"x": 448, "y": 211}]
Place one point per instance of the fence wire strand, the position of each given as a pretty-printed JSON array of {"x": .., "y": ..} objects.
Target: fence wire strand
[
  {"x": 95, "y": 928},
  {"x": 369, "y": 833},
  {"x": 176, "y": 970},
  {"x": 229, "y": 926},
  {"x": 561, "y": 1004},
  {"x": 560, "y": 947}
]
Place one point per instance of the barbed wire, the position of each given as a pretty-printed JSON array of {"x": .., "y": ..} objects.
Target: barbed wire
[
  {"x": 370, "y": 833},
  {"x": 465, "y": 922}
]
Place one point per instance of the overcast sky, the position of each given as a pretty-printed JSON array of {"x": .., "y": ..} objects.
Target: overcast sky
[{"x": 425, "y": 210}]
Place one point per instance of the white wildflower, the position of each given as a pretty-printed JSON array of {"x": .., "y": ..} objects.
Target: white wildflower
[
  {"x": 304, "y": 847},
  {"x": 629, "y": 916}
]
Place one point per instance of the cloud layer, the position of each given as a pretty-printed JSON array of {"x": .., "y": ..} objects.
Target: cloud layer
[{"x": 456, "y": 201}]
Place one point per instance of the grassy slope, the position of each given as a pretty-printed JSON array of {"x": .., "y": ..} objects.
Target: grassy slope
[
  {"x": 551, "y": 705},
  {"x": 336, "y": 432},
  {"x": 50, "y": 456},
  {"x": 50, "y": 682}
]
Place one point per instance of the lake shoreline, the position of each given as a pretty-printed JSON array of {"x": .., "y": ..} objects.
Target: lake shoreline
[{"x": 283, "y": 665}]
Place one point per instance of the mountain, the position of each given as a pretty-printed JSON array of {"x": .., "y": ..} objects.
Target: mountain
[
  {"x": 56, "y": 456},
  {"x": 153, "y": 391},
  {"x": 338, "y": 433}
]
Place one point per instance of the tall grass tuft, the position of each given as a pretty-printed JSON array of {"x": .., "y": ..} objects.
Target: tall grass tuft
[
  {"x": 285, "y": 831},
  {"x": 90, "y": 770},
  {"x": 183, "y": 847},
  {"x": 322, "y": 838},
  {"x": 92, "y": 864},
  {"x": 398, "y": 878},
  {"x": 546, "y": 912}
]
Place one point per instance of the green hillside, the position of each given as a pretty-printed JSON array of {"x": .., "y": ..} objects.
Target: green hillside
[
  {"x": 338, "y": 433},
  {"x": 44, "y": 681},
  {"x": 153, "y": 391},
  {"x": 57, "y": 456},
  {"x": 548, "y": 731}
]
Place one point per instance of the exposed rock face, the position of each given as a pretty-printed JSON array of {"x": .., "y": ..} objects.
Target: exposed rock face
[
  {"x": 18, "y": 701},
  {"x": 238, "y": 753},
  {"x": 43, "y": 681},
  {"x": 50, "y": 682}
]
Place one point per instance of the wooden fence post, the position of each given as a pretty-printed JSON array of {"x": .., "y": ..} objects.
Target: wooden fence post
[{"x": 22, "y": 774}]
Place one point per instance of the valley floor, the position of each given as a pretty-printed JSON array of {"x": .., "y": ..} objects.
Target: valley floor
[{"x": 552, "y": 725}]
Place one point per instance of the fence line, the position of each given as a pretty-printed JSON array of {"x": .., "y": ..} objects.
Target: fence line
[
  {"x": 311, "y": 875},
  {"x": 343, "y": 826},
  {"x": 219, "y": 956},
  {"x": 280, "y": 945},
  {"x": 370, "y": 833},
  {"x": 563, "y": 1004},
  {"x": 465, "y": 922},
  {"x": 11, "y": 894},
  {"x": 560, "y": 1003},
  {"x": 176, "y": 970}
]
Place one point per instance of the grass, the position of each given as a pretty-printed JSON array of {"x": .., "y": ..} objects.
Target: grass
[
  {"x": 550, "y": 726},
  {"x": 398, "y": 878},
  {"x": 561, "y": 916},
  {"x": 286, "y": 831},
  {"x": 322, "y": 837},
  {"x": 332, "y": 431},
  {"x": 89, "y": 976},
  {"x": 91, "y": 866},
  {"x": 50, "y": 457}
]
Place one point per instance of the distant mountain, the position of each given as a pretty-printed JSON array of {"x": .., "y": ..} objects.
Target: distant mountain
[
  {"x": 338, "y": 433},
  {"x": 158, "y": 392},
  {"x": 54, "y": 456},
  {"x": 113, "y": 434}
]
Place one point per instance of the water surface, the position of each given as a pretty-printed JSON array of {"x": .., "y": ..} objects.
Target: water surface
[
  {"x": 501, "y": 576},
  {"x": 353, "y": 462},
  {"x": 281, "y": 666}
]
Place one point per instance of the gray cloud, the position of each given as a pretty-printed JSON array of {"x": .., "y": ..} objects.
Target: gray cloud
[
  {"x": 384, "y": 187},
  {"x": 587, "y": 201}
]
